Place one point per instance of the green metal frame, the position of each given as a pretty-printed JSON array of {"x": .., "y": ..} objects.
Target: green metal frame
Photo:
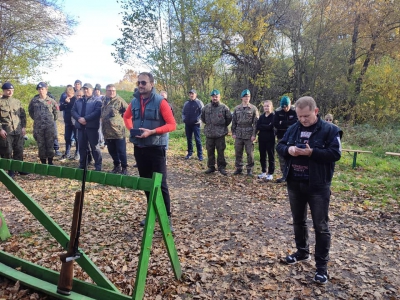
[{"x": 155, "y": 207}]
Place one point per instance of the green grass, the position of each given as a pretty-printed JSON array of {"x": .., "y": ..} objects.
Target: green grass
[{"x": 375, "y": 180}]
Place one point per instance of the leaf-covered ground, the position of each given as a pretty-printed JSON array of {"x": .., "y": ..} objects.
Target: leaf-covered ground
[{"x": 231, "y": 234}]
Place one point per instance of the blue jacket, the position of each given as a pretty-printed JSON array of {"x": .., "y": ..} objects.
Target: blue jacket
[
  {"x": 324, "y": 141},
  {"x": 92, "y": 114},
  {"x": 191, "y": 111},
  {"x": 151, "y": 119}
]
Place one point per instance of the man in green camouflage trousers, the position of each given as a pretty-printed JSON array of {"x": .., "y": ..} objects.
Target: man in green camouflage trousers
[
  {"x": 13, "y": 123},
  {"x": 44, "y": 111},
  {"x": 216, "y": 117},
  {"x": 113, "y": 127},
  {"x": 244, "y": 127}
]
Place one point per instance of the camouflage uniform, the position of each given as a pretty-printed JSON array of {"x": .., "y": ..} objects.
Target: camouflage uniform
[
  {"x": 112, "y": 111},
  {"x": 244, "y": 126},
  {"x": 12, "y": 120},
  {"x": 113, "y": 128},
  {"x": 44, "y": 112},
  {"x": 216, "y": 119}
]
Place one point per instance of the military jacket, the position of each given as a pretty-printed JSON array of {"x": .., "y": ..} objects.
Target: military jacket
[
  {"x": 43, "y": 112},
  {"x": 244, "y": 121},
  {"x": 216, "y": 120},
  {"x": 112, "y": 111},
  {"x": 12, "y": 115}
]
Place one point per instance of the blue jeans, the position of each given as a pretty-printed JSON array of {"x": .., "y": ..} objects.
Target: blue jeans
[
  {"x": 190, "y": 130},
  {"x": 301, "y": 194},
  {"x": 117, "y": 150}
]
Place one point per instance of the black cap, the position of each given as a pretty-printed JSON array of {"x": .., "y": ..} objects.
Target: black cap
[
  {"x": 87, "y": 86},
  {"x": 41, "y": 85},
  {"x": 7, "y": 86},
  {"x": 78, "y": 81},
  {"x": 97, "y": 87}
]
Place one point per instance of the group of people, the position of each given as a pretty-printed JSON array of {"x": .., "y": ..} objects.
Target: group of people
[
  {"x": 246, "y": 125},
  {"x": 308, "y": 148},
  {"x": 307, "y": 145}
]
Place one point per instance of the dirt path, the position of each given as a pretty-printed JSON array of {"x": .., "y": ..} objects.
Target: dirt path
[{"x": 231, "y": 234}]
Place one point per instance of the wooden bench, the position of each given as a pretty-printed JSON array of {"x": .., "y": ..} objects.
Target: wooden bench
[
  {"x": 355, "y": 154},
  {"x": 392, "y": 153}
]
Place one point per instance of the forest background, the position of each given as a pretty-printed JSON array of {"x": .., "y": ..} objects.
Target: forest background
[{"x": 342, "y": 53}]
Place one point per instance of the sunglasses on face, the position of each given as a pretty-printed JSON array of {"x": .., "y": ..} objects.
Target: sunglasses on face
[
  {"x": 141, "y": 83},
  {"x": 329, "y": 120}
]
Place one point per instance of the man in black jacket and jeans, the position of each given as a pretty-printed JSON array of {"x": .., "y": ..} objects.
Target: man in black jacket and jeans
[
  {"x": 86, "y": 112},
  {"x": 310, "y": 148}
]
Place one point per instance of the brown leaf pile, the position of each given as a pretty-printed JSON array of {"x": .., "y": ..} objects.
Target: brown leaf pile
[{"x": 231, "y": 234}]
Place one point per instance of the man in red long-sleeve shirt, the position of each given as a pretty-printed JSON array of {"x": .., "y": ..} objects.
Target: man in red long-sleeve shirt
[{"x": 152, "y": 115}]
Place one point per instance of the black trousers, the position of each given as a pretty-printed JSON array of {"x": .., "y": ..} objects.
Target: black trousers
[
  {"x": 150, "y": 160},
  {"x": 89, "y": 137},
  {"x": 267, "y": 148}
]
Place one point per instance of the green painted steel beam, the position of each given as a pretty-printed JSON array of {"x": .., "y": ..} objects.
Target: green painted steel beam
[
  {"x": 46, "y": 275},
  {"x": 55, "y": 230},
  {"x": 125, "y": 181},
  {"x": 38, "y": 284},
  {"x": 4, "y": 232},
  {"x": 155, "y": 207}
]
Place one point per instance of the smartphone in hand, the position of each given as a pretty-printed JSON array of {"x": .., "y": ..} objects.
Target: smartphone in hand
[
  {"x": 302, "y": 146},
  {"x": 134, "y": 132}
]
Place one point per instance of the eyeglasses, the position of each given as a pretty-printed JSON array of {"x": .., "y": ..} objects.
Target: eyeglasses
[
  {"x": 328, "y": 120},
  {"x": 141, "y": 83}
]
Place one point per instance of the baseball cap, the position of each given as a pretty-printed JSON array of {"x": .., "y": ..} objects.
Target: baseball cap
[
  {"x": 78, "y": 81},
  {"x": 97, "y": 86},
  {"x": 285, "y": 101},
  {"x": 87, "y": 86},
  {"x": 193, "y": 91},
  {"x": 214, "y": 92},
  {"x": 7, "y": 86},
  {"x": 245, "y": 92},
  {"x": 41, "y": 85}
]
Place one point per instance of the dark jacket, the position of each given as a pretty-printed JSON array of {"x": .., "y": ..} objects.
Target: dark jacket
[
  {"x": 326, "y": 146},
  {"x": 283, "y": 120},
  {"x": 66, "y": 108},
  {"x": 265, "y": 128},
  {"x": 92, "y": 114},
  {"x": 191, "y": 111}
]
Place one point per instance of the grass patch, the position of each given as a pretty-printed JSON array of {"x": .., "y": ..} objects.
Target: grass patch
[{"x": 374, "y": 181}]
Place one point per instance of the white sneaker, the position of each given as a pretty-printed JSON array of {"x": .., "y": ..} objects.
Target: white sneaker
[
  {"x": 262, "y": 175},
  {"x": 269, "y": 177}
]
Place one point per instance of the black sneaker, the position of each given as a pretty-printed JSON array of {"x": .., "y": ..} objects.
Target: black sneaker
[
  {"x": 297, "y": 257},
  {"x": 223, "y": 172},
  {"x": 238, "y": 172},
  {"x": 321, "y": 277},
  {"x": 188, "y": 156},
  {"x": 210, "y": 170},
  {"x": 124, "y": 171},
  {"x": 280, "y": 180},
  {"x": 116, "y": 170},
  {"x": 142, "y": 223}
]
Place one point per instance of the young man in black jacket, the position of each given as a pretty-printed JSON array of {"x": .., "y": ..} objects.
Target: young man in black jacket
[
  {"x": 310, "y": 148},
  {"x": 285, "y": 116}
]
